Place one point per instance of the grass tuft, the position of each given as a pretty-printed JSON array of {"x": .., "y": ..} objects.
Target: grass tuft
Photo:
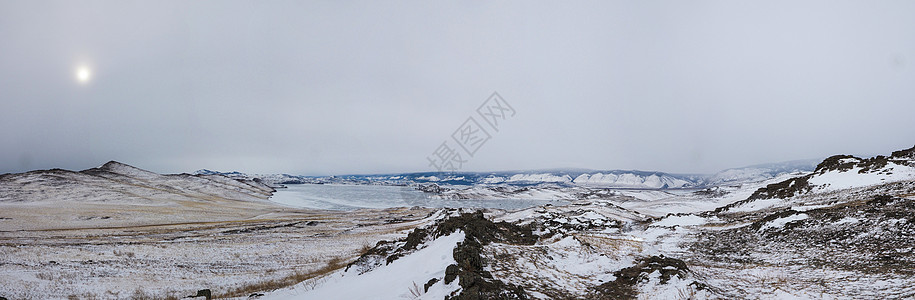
[{"x": 334, "y": 264}]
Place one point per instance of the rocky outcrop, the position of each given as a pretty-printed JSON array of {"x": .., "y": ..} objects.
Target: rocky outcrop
[
  {"x": 475, "y": 281},
  {"x": 838, "y": 164},
  {"x": 627, "y": 279}
]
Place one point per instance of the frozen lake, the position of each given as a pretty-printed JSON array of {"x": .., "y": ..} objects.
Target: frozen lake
[{"x": 350, "y": 197}]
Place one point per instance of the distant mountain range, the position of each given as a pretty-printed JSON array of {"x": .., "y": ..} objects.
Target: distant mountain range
[
  {"x": 759, "y": 172},
  {"x": 633, "y": 179}
]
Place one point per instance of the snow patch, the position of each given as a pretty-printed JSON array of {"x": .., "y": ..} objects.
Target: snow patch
[
  {"x": 687, "y": 220},
  {"x": 394, "y": 281},
  {"x": 757, "y": 205},
  {"x": 847, "y": 220},
  {"x": 838, "y": 180},
  {"x": 780, "y": 222}
]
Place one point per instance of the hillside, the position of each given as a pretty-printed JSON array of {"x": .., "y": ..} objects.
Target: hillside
[
  {"x": 839, "y": 174},
  {"x": 120, "y": 232},
  {"x": 117, "y": 194},
  {"x": 842, "y": 231}
]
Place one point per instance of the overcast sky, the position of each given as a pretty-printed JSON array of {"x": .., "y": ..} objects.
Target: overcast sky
[{"x": 339, "y": 87}]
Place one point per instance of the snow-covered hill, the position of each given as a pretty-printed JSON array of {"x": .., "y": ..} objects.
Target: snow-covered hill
[
  {"x": 116, "y": 181},
  {"x": 837, "y": 175},
  {"x": 119, "y": 232},
  {"x": 761, "y": 172},
  {"x": 121, "y": 194},
  {"x": 272, "y": 180},
  {"x": 633, "y": 180}
]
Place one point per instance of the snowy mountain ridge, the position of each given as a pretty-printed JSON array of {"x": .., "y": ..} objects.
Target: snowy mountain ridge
[
  {"x": 633, "y": 179},
  {"x": 760, "y": 172}
]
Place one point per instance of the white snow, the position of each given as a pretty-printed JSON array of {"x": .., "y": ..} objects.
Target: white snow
[
  {"x": 429, "y": 178},
  {"x": 809, "y": 207},
  {"x": 545, "y": 177},
  {"x": 647, "y": 195},
  {"x": 628, "y": 180},
  {"x": 393, "y": 281},
  {"x": 780, "y": 222},
  {"x": 493, "y": 179},
  {"x": 592, "y": 215},
  {"x": 836, "y": 180},
  {"x": 757, "y": 205},
  {"x": 687, "y": 220},
  {"x": 847, "y": 220}
]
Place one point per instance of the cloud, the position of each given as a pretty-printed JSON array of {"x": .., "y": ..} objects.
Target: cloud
[{"x": 330, "y": 88}]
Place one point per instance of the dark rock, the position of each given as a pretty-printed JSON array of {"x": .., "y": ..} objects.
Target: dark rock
[
  {"x": 904, "y": 154},
  {"x": 835, "y": 163},
  {"x": 374, "y": 257},
  {"x": 451, "y": 273},
  {"x": 784, "y": 189},
  {"x": 624, "y": 287},
  {"x": 429, "y": 284},
  {"x": 430, "y": 188},
  {"x": 475, "y": 225},
  {"x": 204, "y": 293},
  {"x": 475, "y": 282},
  {"x": 414, "y": 239}
]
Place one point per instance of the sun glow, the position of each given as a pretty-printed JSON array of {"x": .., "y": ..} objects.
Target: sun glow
[{"x": 83, "y": 74}]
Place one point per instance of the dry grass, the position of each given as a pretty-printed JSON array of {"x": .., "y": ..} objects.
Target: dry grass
[
  {"x": 297, "y": 254},
  {"x": 124, "y": 253},
  {"x": 755, "y": 278},
  {"x": 58, "y": 276},
  {"x": 614, "y": 247},
  {"x": 416, "y": 291},
  {"x": 140, "y": 294},
  {"x": 366, "y": 247},
  {"x": 287, "y": 281},
  {"x": 687, "y": 293}
]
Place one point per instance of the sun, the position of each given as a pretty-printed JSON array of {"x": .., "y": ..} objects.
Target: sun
[{"x": 83, "y": 74}]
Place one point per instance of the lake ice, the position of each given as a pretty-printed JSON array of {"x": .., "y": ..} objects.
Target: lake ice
[{"x": 350, "y": 197}]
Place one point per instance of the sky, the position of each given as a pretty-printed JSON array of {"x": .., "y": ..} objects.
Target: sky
[{"x": 359, "y": 87}]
